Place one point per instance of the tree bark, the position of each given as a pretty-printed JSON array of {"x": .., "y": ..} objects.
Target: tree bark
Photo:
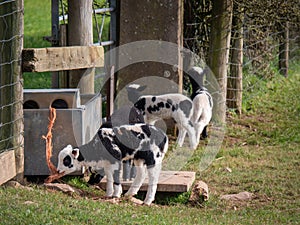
[{"x": 219, "y": 52}]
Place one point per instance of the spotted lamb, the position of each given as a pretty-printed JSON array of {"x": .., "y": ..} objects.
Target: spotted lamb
[
  {"x": 202, "y": 101},
  {"x": 203, "y": 105},
  {"x": 168, "y": 106},
  {"x": 146, "y": 145},
  {"x": 123, "y": 116}
]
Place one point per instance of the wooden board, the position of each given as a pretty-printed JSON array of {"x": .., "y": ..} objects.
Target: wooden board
[
  {"x": 169, "y": 181},
  {"x": 62, "y": 58},
  {"x": 7, "y": 166}
]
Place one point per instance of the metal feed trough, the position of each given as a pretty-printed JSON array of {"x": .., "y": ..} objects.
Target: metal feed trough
[{"x": 78, "y": 117}]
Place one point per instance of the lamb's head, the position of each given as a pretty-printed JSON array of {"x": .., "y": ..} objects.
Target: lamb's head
[
  {"x": 134, "y": 91},
  {"x": 69, "y": 160}
]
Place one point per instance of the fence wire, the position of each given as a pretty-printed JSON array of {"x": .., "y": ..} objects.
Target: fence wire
[
  {"x": 11, "y": 36},
  {"x": 260, "y": 32}
]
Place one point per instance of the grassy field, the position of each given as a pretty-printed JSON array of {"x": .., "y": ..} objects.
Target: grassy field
[{"x": 261, "y": 147}]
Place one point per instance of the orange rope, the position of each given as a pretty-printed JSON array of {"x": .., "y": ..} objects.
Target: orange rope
[
  {"x": 53, "y": 171},
  {"x": 48, "y": 139}
]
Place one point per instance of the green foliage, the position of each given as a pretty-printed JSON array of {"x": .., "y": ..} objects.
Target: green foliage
[
  {"x": 77, "y": 182},
  {"x": 37, "y": 24}
]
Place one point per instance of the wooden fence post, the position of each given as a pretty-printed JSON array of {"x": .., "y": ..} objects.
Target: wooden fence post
[
  {"x": 284, "y": 51},
  {"x": 11, "y": 92},
  {"x": 219, "y": 52},
  {"x": 235, "y": 80},
  {"x": 151, "y": 20},
  {"x": 80, "y": 33}
]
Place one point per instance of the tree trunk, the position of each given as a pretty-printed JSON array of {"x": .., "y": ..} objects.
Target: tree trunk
[
  {"x": 235, "y": 83},
  {"x": 284, "y": 51},
  {"x": 219, "y": 52},
  {"x": 11, "y": 91},
  {"x": 80, "y": 33}
]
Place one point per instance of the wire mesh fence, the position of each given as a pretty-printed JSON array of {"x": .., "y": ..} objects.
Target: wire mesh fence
[
  {"x": 264, "y": 39},
  {"x": 11, "y": 34},
  {"x": 11, "y": 91}
]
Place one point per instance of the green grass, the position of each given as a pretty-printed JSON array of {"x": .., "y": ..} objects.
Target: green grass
[
  {"x": 37, "y": 24},
  {"x": 261, "y": 147}
]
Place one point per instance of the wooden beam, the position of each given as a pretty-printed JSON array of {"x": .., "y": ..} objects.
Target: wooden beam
[
  {"x": 62, "y": 58},
  {"x": 7, "y": 166},
  {"x": 169, "y": 181}
]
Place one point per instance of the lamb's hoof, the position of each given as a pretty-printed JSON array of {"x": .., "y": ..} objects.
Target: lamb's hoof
[
  {"x": 116, "y": 196},
  {"x": 178, "y": 145},
  {"x": 147, "y": 204},
  {"x": 194, "y": 147},
  {"x": 203, "y": 137},
  {"x": 107, "y": 197}
]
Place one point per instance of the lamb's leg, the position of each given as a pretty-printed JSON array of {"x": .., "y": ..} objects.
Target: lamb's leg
[
  {"x": 109, "y": 183},
  {"x": 195, "y": 118},
  {"x": 126, "y": 170},
  {"x": 181, "y": 135},
  {"x": 117, "y": 184},
  {"x": 153, "y": 175},
  {"x": 129, "y": 170},
  {"x": 192, "y": 135},
  {"x": 138, "y": 180},
  {"x": 132, "y": 172},
  {"x": 200, "y": 126},
  {"x": 113, "y": 185},
  {"x": 204, "y": 134}
]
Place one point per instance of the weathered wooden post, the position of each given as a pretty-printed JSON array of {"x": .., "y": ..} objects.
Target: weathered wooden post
[
  {"x": 151, "y": 20},
  {"x": 219, "y": 51},
  {"x": 54, "y": 36},
  {"x": 283, "y": 58},
  {"x": 235, "y": 80},
  {"x": 80, "y": 33},
  {"x": 11, "y": 92},
  {"x": 145, "y": 20}
]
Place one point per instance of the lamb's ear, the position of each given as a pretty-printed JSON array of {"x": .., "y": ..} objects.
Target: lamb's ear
[
  {"x": 135, "y": 87},
  {"x": 141, "y": 88},
  {"x": 80, "y": 157},
  {"x": 77, "y": 154}
]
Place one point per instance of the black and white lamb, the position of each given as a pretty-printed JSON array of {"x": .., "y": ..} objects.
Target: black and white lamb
[
  {"x": 126, "y": 115},
  {"x": 203, "y": 105},
  {"x": 146, "y": 145},
  {"x": 202, "y": 101},
  {"x": 167, "y": 106}
]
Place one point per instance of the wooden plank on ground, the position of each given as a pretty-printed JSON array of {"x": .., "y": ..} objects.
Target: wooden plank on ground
[
  {"x": 7, "y": 166},
  {"x": 169, "y": 181},
  {"x": 62, "y": 58}
]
